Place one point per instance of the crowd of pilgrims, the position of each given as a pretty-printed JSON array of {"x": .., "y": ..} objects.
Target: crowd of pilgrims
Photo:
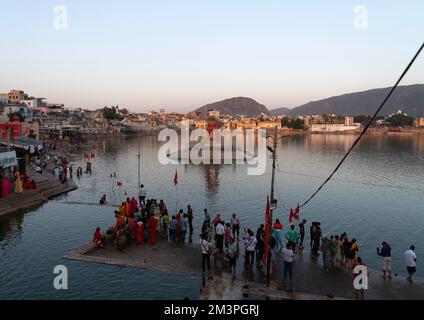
[
  {"x": 219, "y": 237},
  {"x": 143, "y": 223}
]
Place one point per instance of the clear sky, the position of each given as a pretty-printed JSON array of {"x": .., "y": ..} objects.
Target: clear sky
[{"x": 182, "y": 54}]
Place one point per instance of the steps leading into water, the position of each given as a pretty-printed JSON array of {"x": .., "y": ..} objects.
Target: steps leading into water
[{"x": 48, "y": 187}]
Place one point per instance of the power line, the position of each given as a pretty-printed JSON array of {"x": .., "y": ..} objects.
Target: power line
[
  {"x": 353, "y": 181},
  {"x": 366, "y": 127}
]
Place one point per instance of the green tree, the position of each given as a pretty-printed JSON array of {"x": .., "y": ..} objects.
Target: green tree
[
  {"x": 293, "y": 123},
  {"x": 285, "y": 122},
  {"x": 297, "y": 124},
  {"x": 400, "y": 120},
  {"x": 110, "y": 113},
  {"x": 363, "y": 119}
]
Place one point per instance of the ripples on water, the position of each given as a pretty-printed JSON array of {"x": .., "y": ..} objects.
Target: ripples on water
[{"x": 376, "y": 196}]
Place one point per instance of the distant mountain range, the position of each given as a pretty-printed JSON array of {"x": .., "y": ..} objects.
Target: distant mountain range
[
  {"x": 234, "y": 106},
  {"x": 409, "y": 99}
]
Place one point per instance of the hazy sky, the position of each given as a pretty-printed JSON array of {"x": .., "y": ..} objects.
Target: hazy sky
[{"x": 182, "y": 54}]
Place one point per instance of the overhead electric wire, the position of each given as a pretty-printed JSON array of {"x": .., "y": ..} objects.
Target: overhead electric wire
[
  {"x": 365, "y": 128},
  {"x": 364, "y": 183}
]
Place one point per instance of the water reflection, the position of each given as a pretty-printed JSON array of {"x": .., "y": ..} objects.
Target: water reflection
[
  {"x": 11, "y": 227},
  {"x": 366, "y": 209},
  {"x": 211, "y": 176}
]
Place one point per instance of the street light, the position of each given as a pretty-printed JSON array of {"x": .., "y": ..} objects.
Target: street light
[{"x": 273, "y": 204}]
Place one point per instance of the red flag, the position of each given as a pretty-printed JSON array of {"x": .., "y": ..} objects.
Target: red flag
[
  {"x": 92, "y": 156},
  {"x": 93, "y": 147},
  {"x": 176, "y": 177},
  {"x": 119, "y": 184},
  {"x": 296, "y": 213},
  {"x": 266, "y": 234},
  {"x": 85, "y": 155}
]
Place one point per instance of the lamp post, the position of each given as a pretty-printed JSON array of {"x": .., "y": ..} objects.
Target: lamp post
[{"x": 273, "y": 202}]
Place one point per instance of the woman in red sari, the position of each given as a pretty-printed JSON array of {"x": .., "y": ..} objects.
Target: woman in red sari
[
  {"x": 134, "y": 205},
  {"x": 139, "y": 238},
  {"x": 153, "y": 223},
  {"x": 27, "y": 182},
  {"x": 133, "y": 228},
  {"x": 99, "y": 238}
]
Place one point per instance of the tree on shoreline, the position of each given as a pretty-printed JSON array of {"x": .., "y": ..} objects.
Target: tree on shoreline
[
  {"x": 293, "y": 123},
  {"x": 112, "y": 113}
]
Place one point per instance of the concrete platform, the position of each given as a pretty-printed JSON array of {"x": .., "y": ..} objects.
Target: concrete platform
[
  {"x": 311, "y": 281},
  {"x": 162, "y": 257}
]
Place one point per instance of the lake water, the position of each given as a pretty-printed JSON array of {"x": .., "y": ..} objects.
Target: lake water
[{"x": 377, "y": 195}]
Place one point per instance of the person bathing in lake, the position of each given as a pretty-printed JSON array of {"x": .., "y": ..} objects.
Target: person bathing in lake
[{"x": 103, "y": 200}]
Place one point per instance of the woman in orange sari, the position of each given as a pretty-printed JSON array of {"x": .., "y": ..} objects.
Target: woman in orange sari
[
  {"x": 128, "y": 207},
  {"x": 120, "y": 220},
  {"x": 123, "y": 209}
]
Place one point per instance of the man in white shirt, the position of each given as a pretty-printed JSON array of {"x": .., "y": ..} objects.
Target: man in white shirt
[
  {"x": 219, "y": 232},
  {"x": 288, "y": 257},
  {"x": 411, "y": 262},
  {"x": 142, "y": 195},
  {"x": 250, "y": 242},
  {"x": 206, "y": 249}
]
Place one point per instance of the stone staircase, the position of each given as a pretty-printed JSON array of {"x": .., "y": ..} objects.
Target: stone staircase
[
  {"x": 21, "y": 201},
  {"x": 47, "y": 187}
]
